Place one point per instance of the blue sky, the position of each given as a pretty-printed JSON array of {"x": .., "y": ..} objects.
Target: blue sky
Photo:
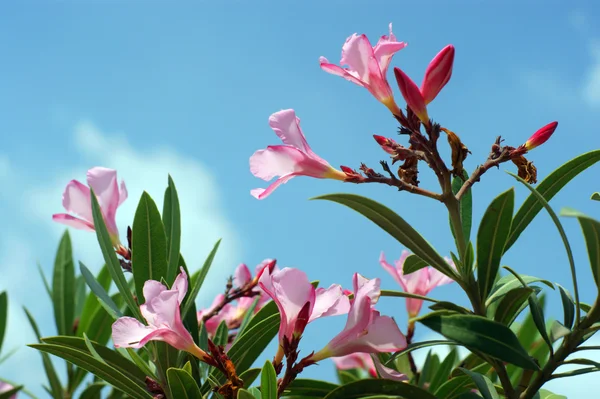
[{"x": 187, "y": 89}]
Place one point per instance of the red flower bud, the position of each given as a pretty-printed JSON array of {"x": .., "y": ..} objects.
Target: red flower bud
[
  {"x": 438, "y": 73},
  {"x": 541, "y": 136},
  {"x": 412, "y": 95}
]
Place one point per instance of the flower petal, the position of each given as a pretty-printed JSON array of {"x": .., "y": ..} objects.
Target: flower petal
[
  {"x": 371, "y": 288},
  {"x": 128, "y": 332},
  {"x": 329, "y": 302},
  {"x": 386, "y": 372},
  {"x": 76, "y": 199},
  {"x": 339, "y": 71},
  {"x": 262, "y": 193},
  {"x": 383, "y": 336},
  {"x": 293, "y": 291},
  {"x": 73, "y": 221},
  {"x": 356, "y": 53},
  {"x": 104, "y": 183},
  {"x": 181, "y": 285},
  {"x": 286, "y": 125},
  {"x": 122, "y": 193},
  {"x": 385, "y": 49},
  {"x": 242, "y": 276},
  {"x": 393, "y": 271}
]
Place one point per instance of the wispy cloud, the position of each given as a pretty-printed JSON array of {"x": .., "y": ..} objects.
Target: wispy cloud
[
  {"x": 591, "y": 82},
  {"x": 35, "y": 200}
]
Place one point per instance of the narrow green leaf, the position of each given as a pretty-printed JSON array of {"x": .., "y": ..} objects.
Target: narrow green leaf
[
  {"x": 348, "y": 376},
  {"x": 454, "y": 387},
  {"x": 268, "y": 381},
  {"x": 563, "y": 235},
  {"x": 197, "y": 284},
  {"x": 63, "y": 287},
  {"x": 545, "y": 394},
  {"x": 557, "y": 331},
  {"x": 172, "y": 221},
  {"x": 491, "y": 238},
  {"x": 478, "y": 333},
  {"x": 244, "y": 394},
  {"x": 548, "y": 188},
  {"x": 92, "y": 391},
  {"x": 418, "y": 345},
  {"x": 3, "y": 316},
  {"x": 371, "y": 387},
  {"x": 182, "y": 385},
  {"x": 394, "y": 225},
  {"x": 484, "y": 385},
  {"x": 103, "y": 298},
  {"x": 591, "y": 233},
  {"x": 56, "y": 389},
  {"x": 568, "y": 306},
  {"x": 443, "y": 305},
  {"x": 402, "y": 294},
  {"x": 92, "y": 303},
  {"x": 469, "y": 260},
  {"x": 510, "y": 282},
  {"x": 148, "y": 245},
  {"x": 113, "y": 264},
  {"x": 432, "y": 362},
  {"x": 11, "y": 392},
  {"x": 248, "y": 316},
  {"x": 443, "y": 371},
  {"x": 413, "y": 263},
  {"x": 595, "y": 197},
  {"x": 249, "y": 376},
  {"x": 466, "y": 204},
  {"x": 80, "y": 295},
  {"x": 45, "y": 281},
  {"x": 222, "y": 334},
  {"x": 306, "y": 388},
  {"x": 512, "y": 304}
]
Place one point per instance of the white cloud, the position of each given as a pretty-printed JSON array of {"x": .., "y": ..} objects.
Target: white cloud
[
  {"x": 591, "y": 86},
  {"x": 203, "y": 222}
]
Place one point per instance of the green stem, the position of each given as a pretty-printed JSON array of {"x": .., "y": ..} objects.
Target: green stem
[{"x": 453, "y": 206}]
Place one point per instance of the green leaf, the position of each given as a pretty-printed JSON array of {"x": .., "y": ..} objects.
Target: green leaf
[
  {"x": 100, "y": 292},
  {"x": 148, "y": 245},
  {"x": 491, "y": 238},
  {"x": 466, "y": 204},
  {"x": 510, "y": 282},
  {"x": 478, "y": 333},
  {"x": 80, "y": 295},
  {"x": 568, "y": 306},
  {"x": 545, "y": 394},
  {"x": 443, "y": 371},
  {"x": 306, "y": 388},
  {"x": 563, "y": 235},
  {"x": 454, "y": 387},
  {"x": 394, "y": 225},
  {"x": 348, "y": 376},
  {"x": 249, "y": 376},
  {"x": 595, "y": 197},
  {"x": 116, "y": 370},
  {"x": 443, "y": 305},
  {"x": 45, "y": 281},
  {"x": 245, "y": 394},
  {"x": 432, "y": 362},
  {"x": 197, "y": 283},
  {"x": 512, "y": 304},
  {"x": 63, "y": 287},
  {"x": 484, "y": 385},
  {"x": 92, "y": 391},
  {"x": 591, "y": 233},
  {"x": 172, "y": 221},
  {"x": 548, "y": 188},
  {"x": 557, "y": 331},
  {"x": 413, "y": 263},
  {"x": 539, "y": 320},
  {"x": 418, "y": 345},
  {"x": 182, "y": 385},
  {"x": 92, "y": 303},
  {"x": 222, "y": 334},
  {"x": 9, "y": 394},
  {"x": 402, "y": 294},
  {"x": 248, "y": 316},
  {"x": 3, "y": 316},
  {"x": 371, "y": 387},
  {"x": 268, "y": 381},
  {"x": 56, "y": 390},
  {"x": 113, "y": 264}
]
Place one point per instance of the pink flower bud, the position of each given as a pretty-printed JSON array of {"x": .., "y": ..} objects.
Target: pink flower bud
[
  {"x": 541, "y": 136},
  {"x": 386, "y": 144},
  {"x": 438, "y": 73},
  {"x": 412, "y": 95}
]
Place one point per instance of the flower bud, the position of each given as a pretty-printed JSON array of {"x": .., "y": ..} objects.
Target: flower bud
[
  {"x": 412, "y": 95},
  {"x": 541, "y": 136},
  {"x": 438, "y": 73}
]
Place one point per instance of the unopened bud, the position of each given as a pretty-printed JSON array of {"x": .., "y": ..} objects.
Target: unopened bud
[
  {"x": 541, "y": 136},
  {"x": 412, "y": 95},
  {"x": 438, "y": 73}
]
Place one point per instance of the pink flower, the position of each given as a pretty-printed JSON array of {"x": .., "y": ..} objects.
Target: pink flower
[
  {"x": 420, "y": 282},
  {"x": 541, "y": 136},
  {"x": 5, "y": 387},
  {"x": 366, "y": 330},
  {"x": 299, "y": 302},
  {"x": 367, "y": 66},
  {"x": 213, "y": 323},
  {"x": 293, "y": 158},
  {"x": 359, "y": 360},
  {"x": 161, "y": 311},
  {"x": 386, "y": 372},
  {"x": 438, "y": 73},
  {"x": 77, "y": 200}
]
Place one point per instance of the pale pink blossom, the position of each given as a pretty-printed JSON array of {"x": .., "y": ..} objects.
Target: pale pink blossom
[
  {"x": 77, "y": 200},
  {"x": 367, "y": 65},
  {"x": 293, "y": 158},
  {"x": 5, "y": 387},
  {"x": 366, "y": 330},
  {"x": 299, "y": 303},
  {"x": 162, "y": 313},
  {"x": 421, "y": 282},
  {"x": 358, "y": 360}
]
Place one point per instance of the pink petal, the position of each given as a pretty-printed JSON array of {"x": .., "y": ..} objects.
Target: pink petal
[
  {"x": 276, "y": 161},
  {"x": 385, "y": 49},
  {"x": 122, "y": 193},
  {"x": 163, "y": 308},
  {"x": 73, "y": 221},
  {"x": 392, "y": 271},
  {"x": 412, "y": 95},
  {"x": 266, "y": 284},
  {"x": 128, "y": 332},
  {"x": 181, "y": 285},
  {"x": 261, "y": 193},
  {"x": 293, "y": 291},
  {"x": 352, "y": 361},
  {"x": 104, "y": 183},
  {"x": 438, "y": 73},
  {"x": 76, "y": 199},
  {"x": 152, "y": 289},
  {"x": 383, "y": 336},
  {"x": 329, "y": 302},
  {"x": 356, "y": 53},
  {"x": 358, "y": 321},
  {"x": 370, "y": 288},
  {"x": 339, "y": 71},
  {"x": 242, "y": 276},
  {"x": 386, "y": 372},
  {"x": 286, "y": 125}
]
